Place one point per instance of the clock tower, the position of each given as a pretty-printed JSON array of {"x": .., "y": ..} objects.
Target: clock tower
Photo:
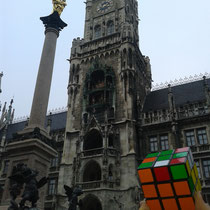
[{"x": 108, "y": 81}]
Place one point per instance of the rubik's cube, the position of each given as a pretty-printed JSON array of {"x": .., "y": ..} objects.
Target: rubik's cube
[{"x": 169, "y": 179}]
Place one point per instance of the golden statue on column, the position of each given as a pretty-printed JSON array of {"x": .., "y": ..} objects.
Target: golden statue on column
[{"x": 59, "y": 5}]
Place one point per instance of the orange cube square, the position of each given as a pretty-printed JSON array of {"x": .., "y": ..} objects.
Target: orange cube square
[
  {"x": 149, "y": 191},
  {"x": 154, "y": 204},
  {"x": 165, "y": 190}
]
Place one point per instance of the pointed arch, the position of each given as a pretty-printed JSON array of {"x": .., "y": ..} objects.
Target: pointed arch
[
  {"x": 97, "y": 31},
  {"x": 91, "y": 202},
  {"x": 91, "y": 172},
  {"x": 130, "y": 57},
  {"x": 110, "y": 27},
  {"x": 93, "y": 140},
  {"x": 111, "y": 172}
]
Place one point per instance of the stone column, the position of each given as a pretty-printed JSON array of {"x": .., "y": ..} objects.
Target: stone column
[
  {"x": 33, "y": 145},
  {"x": 43, "y": 83},
  {"x": 53, "y": 25}
]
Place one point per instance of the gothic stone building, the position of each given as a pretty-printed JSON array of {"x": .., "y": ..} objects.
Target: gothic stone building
[{"x": 114, "y": 119}]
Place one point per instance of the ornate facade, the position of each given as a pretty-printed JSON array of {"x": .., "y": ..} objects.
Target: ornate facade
[
  {"x": 114, "y": 119},
  {"x": 108, "y": 75}
]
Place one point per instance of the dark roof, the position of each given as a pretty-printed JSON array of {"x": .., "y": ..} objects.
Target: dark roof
[
  {"x": 58, "y": 122},
  {"x": 183, "y": 94}
]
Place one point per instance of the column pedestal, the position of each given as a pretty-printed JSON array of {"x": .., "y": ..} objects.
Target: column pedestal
[{"x": 36, "y": 155}]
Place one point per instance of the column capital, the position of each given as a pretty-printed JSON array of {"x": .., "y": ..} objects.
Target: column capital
[{"x": 53, "y": 21}]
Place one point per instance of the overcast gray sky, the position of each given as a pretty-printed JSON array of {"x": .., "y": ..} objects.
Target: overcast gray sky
[{"x": 175, "y": 34}]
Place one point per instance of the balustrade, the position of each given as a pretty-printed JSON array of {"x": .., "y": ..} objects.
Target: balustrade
[
  {"x": 99, "y": 151},
  {"x": 90, "y": 185}
]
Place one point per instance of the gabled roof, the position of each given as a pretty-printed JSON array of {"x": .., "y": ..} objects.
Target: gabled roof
[
  {"x": 58, "y": 123},
  {"x": 183, "y": 94}
]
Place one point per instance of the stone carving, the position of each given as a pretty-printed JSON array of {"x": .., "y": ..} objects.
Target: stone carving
[
  {"x": 73, "y": 194},
  {"x": 117, "y": 201},
  {"x": 21, "y": 175}
]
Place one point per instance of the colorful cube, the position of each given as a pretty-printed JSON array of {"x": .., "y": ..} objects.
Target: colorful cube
[{"x": 169, "y": 179}]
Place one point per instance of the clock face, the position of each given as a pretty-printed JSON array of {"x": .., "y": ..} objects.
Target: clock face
[{"x": 104, "y": 6}]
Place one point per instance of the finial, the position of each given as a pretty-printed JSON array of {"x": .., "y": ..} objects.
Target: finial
[
  {"x": 59, "y": 5},
  {"x": 1, "y": 75},
  {"x": 204, "y": 81},
  {"x": 169, "y": 88},
  {"x": 11, "y": 102}
]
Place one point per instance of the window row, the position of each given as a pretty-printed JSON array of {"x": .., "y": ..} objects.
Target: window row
[
  {"x": 52, "y": 185},
  {"x": 196, "y": 136},
  {"x": 205, "y": 164},
  {"x": 158, "y": 142},
  {"x": 109, "y": 29},
  {"x": 57, "y": 160}
]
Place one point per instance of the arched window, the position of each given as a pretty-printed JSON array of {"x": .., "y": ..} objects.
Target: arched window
[
  {"x": 130, "y": 58},
  {"x": 97, "y": 80},
  {"x": 97, "y": 31},
  {"x": 110, "y": 27},
  {"x": 111, "y": 140},
  {"x": 92, "y": 172},
  {"x": 111, "y": 175},
  {"x": 91, "y": 202},
  {"x": 97, "y": 83},
  {"x": 93, "y": 140},
  {"x": 72, "y": 73}
]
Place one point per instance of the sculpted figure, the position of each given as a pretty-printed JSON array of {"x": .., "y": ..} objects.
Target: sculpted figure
[
  {"x": 72, "y": 194},
  {"x": 59, "y": 5},
  {"x": 21, "y": 175}
]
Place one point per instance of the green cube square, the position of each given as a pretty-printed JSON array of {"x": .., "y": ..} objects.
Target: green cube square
[
  {"x": 179, "y": 172},
  {"x": 166, "y": 157},
  {"x": 179, "y": 155},
  {"x": 191, "y": 184},
  {"x": 152, "y": 155},
  {"x": 167, "y": 152},
  {"x": 146, "y": 165}
]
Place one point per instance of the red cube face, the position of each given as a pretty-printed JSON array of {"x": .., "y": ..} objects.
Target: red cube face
[
  {"x": 178, "y": 160},
  {"x": 184, "y": 149},
  {"x": 162, "y": 174}
]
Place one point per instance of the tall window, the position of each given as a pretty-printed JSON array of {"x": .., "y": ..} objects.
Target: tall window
[
  {"x": 6, "y": 166},
  {"x": 54, "y": 162},
  {"x": 198, "y": 167},
  {"x": 202, "y": 137},
  {"x": 1, "y": 191},
  {"x": 153, "y": 144},
  {"x": 110, "y": 27},
  {"x": 164, "y": 142},
  {"x": 190, "y": 138},
  {"x": 206, "y": 168},
  {"x": 51, "y": 187},
  {"x": 97, "y": 31}
]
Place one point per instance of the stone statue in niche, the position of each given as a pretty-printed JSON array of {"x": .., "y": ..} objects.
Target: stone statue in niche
[
  {"x": 73, "y": 194},
  {"x": 22, "y": 176}
]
